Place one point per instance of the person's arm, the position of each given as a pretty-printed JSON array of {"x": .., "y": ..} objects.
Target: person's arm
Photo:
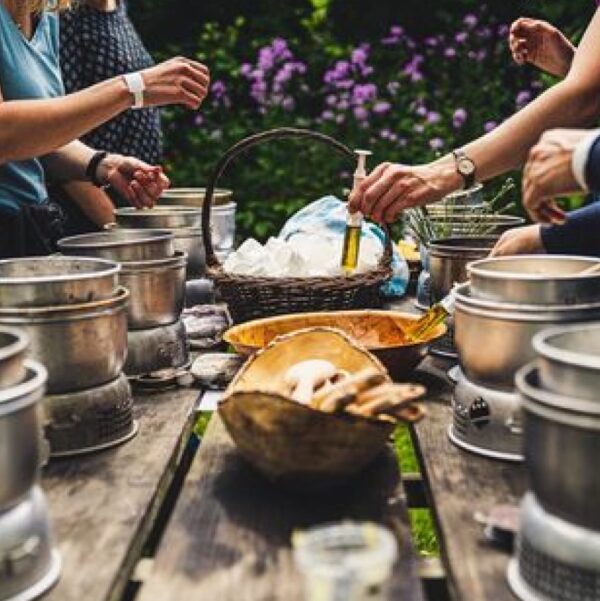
[
  {"x": 138, "y": 182},
  {"x": 94, "y": 202},
  {"x": 574, "y": 102},
  {"x": 578, "y": 236},
  {"x": 57, "y": 121}
]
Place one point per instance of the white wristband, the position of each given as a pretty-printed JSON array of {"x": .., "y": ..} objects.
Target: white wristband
[
  {"x": 580, "y": 158},
  {"x": 135, "y": 84}
]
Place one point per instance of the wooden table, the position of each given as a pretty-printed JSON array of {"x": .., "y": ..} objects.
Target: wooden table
[{"x": 155, "y": 520}]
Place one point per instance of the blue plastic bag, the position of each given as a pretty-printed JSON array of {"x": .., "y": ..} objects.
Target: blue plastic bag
[{"x": 328, "y": 216}]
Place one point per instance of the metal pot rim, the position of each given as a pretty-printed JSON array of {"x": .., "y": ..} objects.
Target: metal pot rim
[
  {"x": 25, "y": 315},
  {"x": 522, "y": 312},
  {"x": 27, "y": 392},
  {"x": 140, "y": 237},
  {"x": 112, "y": 268},
  {"x": 476, "y": 269},
  {"x": 441, "y": 247},
  {"x": 488, "y": 219},
  {"x": 158, "y": 210},
  {"x": 19, "y": 345},
  {"x": 178, "y": 260},
  {"x": 194, "y": 191},
  {"x": 543, "y": 347},
  {"x": 557, "y": 407}
]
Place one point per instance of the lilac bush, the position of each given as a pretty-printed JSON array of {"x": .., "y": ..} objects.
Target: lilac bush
[{"x": 406, "y": 99}]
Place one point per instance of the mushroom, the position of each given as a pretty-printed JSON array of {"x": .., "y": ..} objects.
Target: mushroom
[
  {"x": 387, "y": 398},
  {"x": 305, "y": 377}
]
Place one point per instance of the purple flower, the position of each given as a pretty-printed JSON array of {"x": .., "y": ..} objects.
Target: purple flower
[
  {"x": 385, "y": 134},
  {"x": 523, "y": 97},
  {"x": 433, "y": 117},
  {"x": 421, "y": 111},
  {"x": 503, "y": 30},
  {"x": 461, "y": 38},
  {"x": 288, "y": 103},
  {"x": 459, "y": 118},
  {"x": 331, "y": 99},
  {"x": 266, "y": 58},
  {"x": 363, "y": 93},
  {"x": 393, "y": 87},
  {"x": 381, "y": 107},
  {"x": 361, "y": 113},
  {"x": 489, "y": 126},
  {"x": 360, "y": 55},
  {"x": 218, "y": 89},
  {"x": 450, "y": 52},
  {"x": 436, "y": 143},
  {"x": 395, "y": 35},
  {"x": 484, "y": 33},
  {"x": 327, "y": 115},
  {"x": 246, "y": 69},
  {"x": 397, "y": 30},
  {"x": 470, "y": 21},
  {"x": 432, "y": 42},
  {"x": 198, "y": 120},
  {"x": 413, "y": 68},
  {"x": 342, "y": 104},
  {"x": 481, "y": 55}
]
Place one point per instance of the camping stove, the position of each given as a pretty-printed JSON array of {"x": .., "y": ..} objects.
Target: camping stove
[
  {"x": 156, "y": 349},
  {"x": 554, "y": 560},
  {"x": 90, "y": 420},
  {"x": 486, "y": 421},
  {"x": 29, "y": 565}
]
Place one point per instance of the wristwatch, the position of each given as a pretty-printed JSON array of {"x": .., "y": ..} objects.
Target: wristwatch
[
  {"x": 135, "y": 84},
  {"x": 465, "y": 167}
]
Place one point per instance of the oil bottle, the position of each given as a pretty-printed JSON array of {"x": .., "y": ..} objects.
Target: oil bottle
[
  {"x": 354, "y": 221},
  {"x": 434, "y": 316}
]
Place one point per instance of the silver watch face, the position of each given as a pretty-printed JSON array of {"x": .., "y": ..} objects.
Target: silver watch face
[{"x": 466, "y": 167}]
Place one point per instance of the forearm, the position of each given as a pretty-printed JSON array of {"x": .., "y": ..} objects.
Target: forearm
[
  {"x": 578, "y": 236},
  {"x": 68, "y": 163},
  {"x": 30, "y": 128},
  {"x": 94, "y": 202}
]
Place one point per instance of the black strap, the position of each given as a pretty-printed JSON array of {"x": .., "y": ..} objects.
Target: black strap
[{"x": 92, "y": 169}]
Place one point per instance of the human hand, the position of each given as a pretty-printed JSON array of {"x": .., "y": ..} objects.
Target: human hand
[
  {"x": 548, "y": 174},
  {"x": 176, "y": 81},
  {"x": 392, "y": 188},
  {"x": 542, "y": 45},
  {"x": 141, "y": 184},
  {"x": 526, "y": 240}
]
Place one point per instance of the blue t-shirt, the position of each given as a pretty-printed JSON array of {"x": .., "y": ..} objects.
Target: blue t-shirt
[{"x": 28, "y": 69}]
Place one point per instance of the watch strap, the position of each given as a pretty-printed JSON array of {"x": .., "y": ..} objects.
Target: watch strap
[
  {"x": 135, "y": 84},
  {"x": 91, "y": 171}
]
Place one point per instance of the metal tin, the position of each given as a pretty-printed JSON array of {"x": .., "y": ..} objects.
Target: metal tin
[
  {"x": 82, "y": 346},
  {"x": 20, "y": 433},
  {"x": 159, "y": 217},
  {"x": 569, "y": 360},
  {"x": 121, "y": 245},
  {"x": 55, "y": 280},
  {"x": 536, "y": 280},
  {"x": 194, "y": 197},
  {"x": 157, "y": 291},
  {"x": 494, "y": 339},
  {"x": 13, "y": 347}
]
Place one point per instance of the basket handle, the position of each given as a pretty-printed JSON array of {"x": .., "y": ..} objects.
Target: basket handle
[{"x": 241, "y": 147}]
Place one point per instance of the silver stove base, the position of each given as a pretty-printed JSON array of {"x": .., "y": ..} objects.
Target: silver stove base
[
  {"x": 44, "y": 584},
  {"x": 454, "y": 374},
  {"x": 489, "y": 453},
  {"x": 518, "y": 586}
]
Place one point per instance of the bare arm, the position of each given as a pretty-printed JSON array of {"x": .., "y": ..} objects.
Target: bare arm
[
  {"x": 69, "y": 162},
  {"x": 93, "y": 202}
]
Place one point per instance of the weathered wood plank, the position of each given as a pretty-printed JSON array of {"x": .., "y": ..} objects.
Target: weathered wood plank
[
  {"x": 103, "y": 505},
  {"x": 459, "y": 484},
  {"x": 229, "y": 536}
]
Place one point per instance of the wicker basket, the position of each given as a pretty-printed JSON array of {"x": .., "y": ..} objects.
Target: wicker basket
[{"x": 251, "y": 297}]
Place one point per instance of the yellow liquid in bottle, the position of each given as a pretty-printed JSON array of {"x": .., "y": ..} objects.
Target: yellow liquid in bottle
[
  {"x": 351, "y": 248},
  {"x": 427, "y": 323}
]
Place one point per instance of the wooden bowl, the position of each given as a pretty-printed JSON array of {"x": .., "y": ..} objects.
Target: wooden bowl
[
  {"x": 301, "y": 447},
  {"x": 375, "y": 330}
]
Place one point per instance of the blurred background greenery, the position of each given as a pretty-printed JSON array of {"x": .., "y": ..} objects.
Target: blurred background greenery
[{"x": 409, "y": 80}]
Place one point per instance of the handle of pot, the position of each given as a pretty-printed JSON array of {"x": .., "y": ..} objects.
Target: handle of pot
[{"x": 241, "y": 147}]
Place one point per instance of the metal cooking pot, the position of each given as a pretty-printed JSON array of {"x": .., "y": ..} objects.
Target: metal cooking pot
[
  {"x": 13, "y": 347},
  {"x": 21, "y": 435},
  {"x": 562, "y": 446},
  {"x": 157, "y": 291},
  {"x": 494, "y": 339},
  {"x": 569, "y": 360},
  {"x": 55, "y": 280},
  {"x": 82, "y": 346},
  {"x": 448, "y": 260},
  {"x": 480, "y": 225},
  {"x": 472, "y": 196},
  {"x": 536, "y": 280},
  {"x": 121, "y": 245},
  {"x": 194, "y": 197},
  {"x": 189, "y": 241},
  {"x": 159, "y": 217}
]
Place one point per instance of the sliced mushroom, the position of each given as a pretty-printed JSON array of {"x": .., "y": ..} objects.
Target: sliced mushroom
[
  {"x": 347, "y": 391},
  {"x": 387, "y": 398},
  {"x": 305, "y": 377}
]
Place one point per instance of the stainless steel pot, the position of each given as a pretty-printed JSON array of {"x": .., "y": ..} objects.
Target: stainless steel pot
[
  {"x": 480, "y": 225},
  {"x": 536, "y": 280},
  {"x": 448, "y": 260},
  {"x": 194, "y": 197},
  {"x": 189, "y": 241},
  {"x": 569, "y": 360},
  {"x": 82, "y": 346},
  {"x": 494, "y": 339},
  {"x": 43, "y": 281},
  {"x": 448, "y": 211},
  {"x": 13, "y": 347},
  {"x": 121, "y": 245},
  {"x": 29, "y": 565},
  {"x": 20, "y": 436},
  {"x": 159, "y": 217},
  {"x": 472, "y": 196},
  {"x": 157, "y": 290},
  {"x": 562, "y": 446}
]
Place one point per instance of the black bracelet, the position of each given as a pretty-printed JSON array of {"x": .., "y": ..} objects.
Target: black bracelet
[{"x": 91, "y": 172}]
